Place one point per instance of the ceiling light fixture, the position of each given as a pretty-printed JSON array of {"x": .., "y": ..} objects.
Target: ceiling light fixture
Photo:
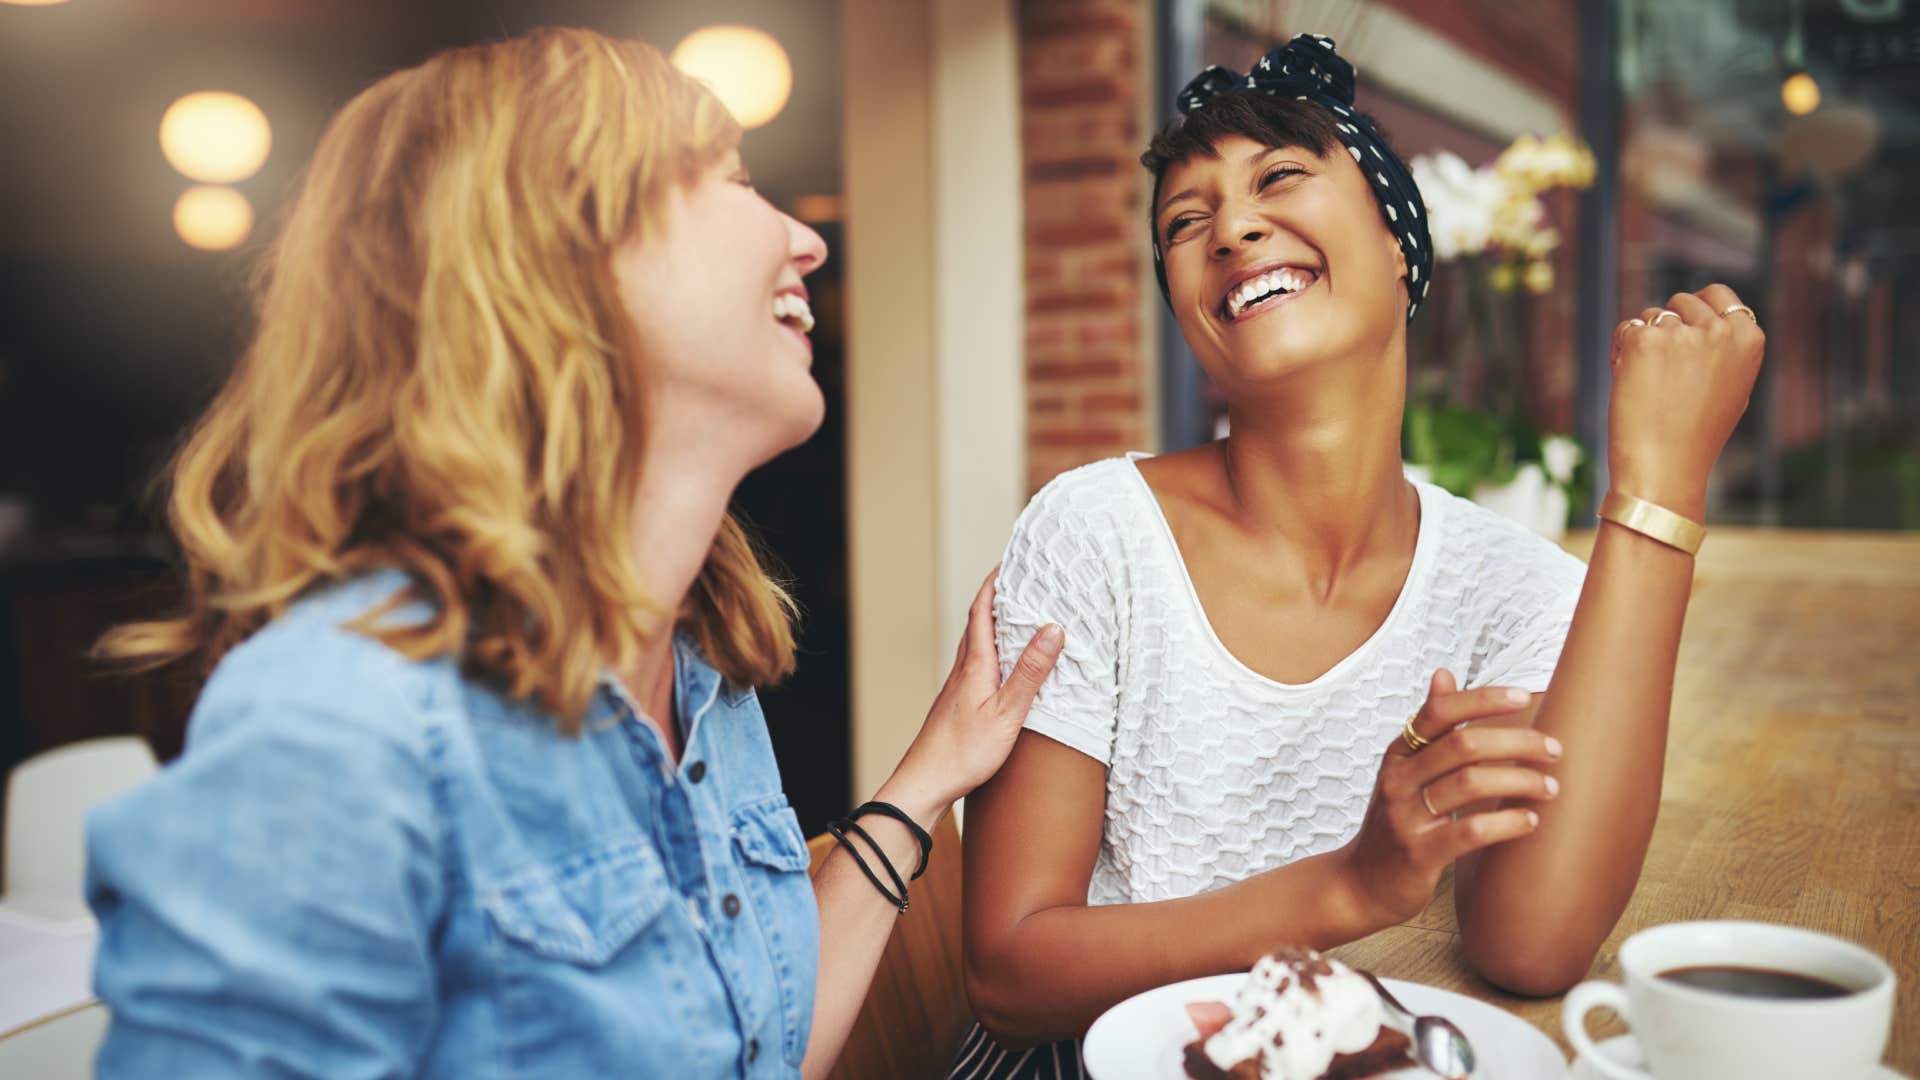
[
  {"x": 212, "y": 218},
  {"x": 215, "y": 137},
  {"x": 744, "y": 67}
]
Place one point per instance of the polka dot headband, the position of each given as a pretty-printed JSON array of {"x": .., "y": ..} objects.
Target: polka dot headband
[{"x": 1309, "y": 69}]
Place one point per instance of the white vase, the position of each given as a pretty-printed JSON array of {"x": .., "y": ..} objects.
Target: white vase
[{"x": 1530, "y": 499}]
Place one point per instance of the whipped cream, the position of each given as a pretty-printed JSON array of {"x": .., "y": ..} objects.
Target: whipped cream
[{"x": 1296, "y": 1010}]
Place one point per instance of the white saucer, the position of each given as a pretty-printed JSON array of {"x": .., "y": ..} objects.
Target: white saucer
[
  {"x": 1141, "y": 1038},
  {"x": 1623, "y": 1049}
]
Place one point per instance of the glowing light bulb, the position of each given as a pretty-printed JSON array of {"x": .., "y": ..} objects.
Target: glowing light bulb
[
  {"x": 1800, "y": 94},
  {"x": 745, "y": 68},
  {"x": 215, "y": 137},
  {"x": 212, "y": 218}
]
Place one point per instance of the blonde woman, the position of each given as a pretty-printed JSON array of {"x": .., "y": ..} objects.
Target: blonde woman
[{"x": 479, "y": 785}]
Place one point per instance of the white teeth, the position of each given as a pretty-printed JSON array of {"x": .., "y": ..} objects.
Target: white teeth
[
  {"x": 791, "y": 309},
  {"x": 1287, "y": 279}
]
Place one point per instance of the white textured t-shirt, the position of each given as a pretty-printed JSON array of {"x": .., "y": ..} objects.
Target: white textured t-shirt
[{"x": 1215, "y": 772}]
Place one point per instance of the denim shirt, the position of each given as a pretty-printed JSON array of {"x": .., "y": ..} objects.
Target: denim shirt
[{"x": 366, "y": 866}]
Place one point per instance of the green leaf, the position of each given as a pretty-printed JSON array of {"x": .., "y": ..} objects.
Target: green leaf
[{"x": 1465, "y": 447}]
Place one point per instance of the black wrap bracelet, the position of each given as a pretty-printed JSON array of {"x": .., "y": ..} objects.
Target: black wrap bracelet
[
  {"x": 919, "y": 834},
  {"x": 839, "y": 829}
]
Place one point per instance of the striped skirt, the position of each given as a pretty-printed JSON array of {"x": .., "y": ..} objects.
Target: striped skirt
[{"x": 980, "y": 1058}]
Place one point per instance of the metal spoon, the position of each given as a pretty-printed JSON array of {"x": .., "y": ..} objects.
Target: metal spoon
[{"x": 1437, "y": 1044}]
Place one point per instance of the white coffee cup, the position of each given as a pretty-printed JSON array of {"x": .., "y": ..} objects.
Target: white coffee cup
[{"x": 1689, "y": 1033}]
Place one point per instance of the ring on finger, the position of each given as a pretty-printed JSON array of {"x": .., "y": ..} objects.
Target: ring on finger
[
  {"x": 1427, "y": 802},
  {"x": 1731, "y": 308},
  {"x": 1635, "y": 321},
  {"x": 1665, "y": 314},
  {"x": 1412, "y": 738}
]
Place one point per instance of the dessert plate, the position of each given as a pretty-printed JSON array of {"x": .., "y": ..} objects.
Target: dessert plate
[
  {"x": 1141, "y": 1038},
  {"x": 1623, "y": 1049}
]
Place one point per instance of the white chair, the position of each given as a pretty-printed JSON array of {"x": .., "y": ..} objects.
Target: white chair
[
  {"x": 48, "y": 796},
  {"x": 62, "y": 1048}
]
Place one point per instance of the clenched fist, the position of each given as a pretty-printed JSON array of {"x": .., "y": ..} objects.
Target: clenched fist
[{"x": 1682, "y": 376}]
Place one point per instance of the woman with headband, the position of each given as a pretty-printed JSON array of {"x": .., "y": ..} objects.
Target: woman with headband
[
  {"x": 480, "y": 786},
  {"x": 1298, "y": 687}
]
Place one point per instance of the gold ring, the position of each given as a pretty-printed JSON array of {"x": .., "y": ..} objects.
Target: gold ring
[
  {"x": 1426, "y": 802},
  {"x": 1411, "y": 737},
  {"x": 1731, "y": 308},
  {"x": 1663, "y": 314}
]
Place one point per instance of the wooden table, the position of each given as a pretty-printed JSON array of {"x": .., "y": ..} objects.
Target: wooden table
[{"x": 1792, "y": 788}]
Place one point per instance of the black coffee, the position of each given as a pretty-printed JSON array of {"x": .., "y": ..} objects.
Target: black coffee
[{"x": 1755, "y": 982}]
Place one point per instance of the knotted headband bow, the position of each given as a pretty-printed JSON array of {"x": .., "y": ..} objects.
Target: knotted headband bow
[{"x": 1309, "y": 69}]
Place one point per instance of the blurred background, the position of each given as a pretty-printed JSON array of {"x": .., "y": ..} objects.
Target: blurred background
[{"x": 988, "y": 317}]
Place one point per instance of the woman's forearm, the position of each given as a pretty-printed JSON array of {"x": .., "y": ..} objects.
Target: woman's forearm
[
  {"x": 1533, "y": 912},
  {"x": 855, "y": 924},
  {"x": 965, "y": 740},
  {"x": 1052, "y": 975}
]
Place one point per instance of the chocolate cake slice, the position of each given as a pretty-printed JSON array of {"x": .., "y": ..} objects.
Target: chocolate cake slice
[
  {"x": 1301, "y": 1016},
  {"x": 1390, "y": 1051}
]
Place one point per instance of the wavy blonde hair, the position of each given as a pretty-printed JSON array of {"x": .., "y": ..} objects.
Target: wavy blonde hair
[{"x": 445, "y": 380}]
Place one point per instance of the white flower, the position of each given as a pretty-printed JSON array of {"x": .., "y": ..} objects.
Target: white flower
[
  {"x": 1461, "y": 203},
  {"x": 1542, "y": 242},
  {"x": 1520, "y": 162},
  {"x": 1471, "y": 210},
  {"x": 1561, "y": 455},
  {"x": 1518, "y": 222},
  {"x": 1534, "y": 165}
]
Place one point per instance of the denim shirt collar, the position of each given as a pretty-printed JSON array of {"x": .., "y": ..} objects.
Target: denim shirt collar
[
  {"x": 700, "y": 680},
  {"x": 697, "y": 687}
]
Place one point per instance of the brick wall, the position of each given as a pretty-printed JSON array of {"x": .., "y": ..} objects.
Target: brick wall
[{"x": 1084, "y": 76}]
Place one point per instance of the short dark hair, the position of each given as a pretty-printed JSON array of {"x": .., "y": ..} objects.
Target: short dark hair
[{"x": 1267, "y": 118}]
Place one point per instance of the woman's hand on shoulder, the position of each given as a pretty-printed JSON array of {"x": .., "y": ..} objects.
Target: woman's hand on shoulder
[
  {"x": 1442, "y": 801},
  {"x": 1680, "y": 384},
  {"x": 974, "y": 721}
]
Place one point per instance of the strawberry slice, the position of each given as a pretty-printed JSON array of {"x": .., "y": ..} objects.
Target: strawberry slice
[{"x": 1208, "y": 1016}]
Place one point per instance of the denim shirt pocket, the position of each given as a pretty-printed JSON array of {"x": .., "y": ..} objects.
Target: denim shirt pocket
[
  {"x": 584, "y": 909},
  {"x": 773, "y": 854}
]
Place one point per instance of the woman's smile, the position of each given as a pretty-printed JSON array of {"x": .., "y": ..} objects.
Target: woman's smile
[
  {"x": 794, "y": 314},
  {"x": 1257, "y": 290}
]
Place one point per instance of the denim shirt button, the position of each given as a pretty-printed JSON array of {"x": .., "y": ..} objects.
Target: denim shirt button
[
  {"x": 697, "y": 771},
  {"x": 731, "y": 905}
]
